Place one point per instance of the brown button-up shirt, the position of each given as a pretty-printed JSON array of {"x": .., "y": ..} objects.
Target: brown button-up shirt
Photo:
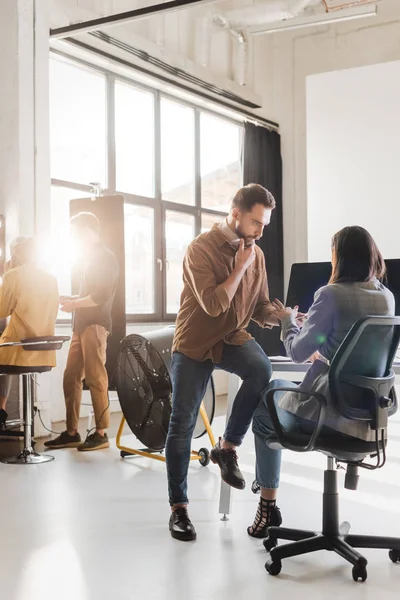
[{"x": 206, "y": 319}]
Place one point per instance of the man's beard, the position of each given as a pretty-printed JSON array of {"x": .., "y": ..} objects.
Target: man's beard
[{"x": 248, "y": 240}]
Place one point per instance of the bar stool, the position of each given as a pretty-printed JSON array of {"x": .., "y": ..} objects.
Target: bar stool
[{"x": 28, "y": 456}]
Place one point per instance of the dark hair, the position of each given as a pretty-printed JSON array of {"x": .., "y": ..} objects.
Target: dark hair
[
  {"x": 86, "y": 219},
  {"x": 250, "y": 195},
  {"x": 357, "y": 256}
]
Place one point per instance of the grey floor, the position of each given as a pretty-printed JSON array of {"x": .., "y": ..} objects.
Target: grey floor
[{"x": 94, "y": 527}]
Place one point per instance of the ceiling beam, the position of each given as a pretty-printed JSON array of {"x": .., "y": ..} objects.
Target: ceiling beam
[{"x": 118, "y": 19}]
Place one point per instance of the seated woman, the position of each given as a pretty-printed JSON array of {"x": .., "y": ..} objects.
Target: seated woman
[
  {"x": 354, "y": 291},
  {"x": 29, "y": 296}
]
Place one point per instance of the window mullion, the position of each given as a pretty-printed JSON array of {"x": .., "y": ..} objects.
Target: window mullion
[
  {"x": 111, "y": 160},
  {"x": 159, "y": 228},
  {"x": 197, "y": 142}
]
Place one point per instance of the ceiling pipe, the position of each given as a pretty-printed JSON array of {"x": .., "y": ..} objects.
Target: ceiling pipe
[
  {"x": 273, "y": 11},
  {"x": 239, "y": 62},
  {"x": 238, "y": 20},
  {"x": 316, "y": 20}
]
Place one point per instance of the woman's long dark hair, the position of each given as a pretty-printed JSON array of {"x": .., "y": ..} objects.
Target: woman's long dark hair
[{"x": 357, "y": 256}]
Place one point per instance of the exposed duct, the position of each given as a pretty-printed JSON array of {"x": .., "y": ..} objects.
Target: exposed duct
[
  {"x": 260, "y": 14},
  {"x": 239, "y": 62},
  {"x": 236, "y": 21}
]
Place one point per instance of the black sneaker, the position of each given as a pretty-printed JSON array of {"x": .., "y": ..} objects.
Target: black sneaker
[
  {"x": 94, "y": 442},
  {"x": 227, "y": 462},
  {"x": 64, "y": 440},
  {"x": 180, "y": 525}
]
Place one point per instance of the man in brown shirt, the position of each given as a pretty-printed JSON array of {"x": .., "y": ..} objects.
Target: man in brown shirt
[{"x": 225, "y": 286}]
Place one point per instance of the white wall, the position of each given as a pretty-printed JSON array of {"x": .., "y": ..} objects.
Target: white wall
[
  {"x": 283, "y": 62},
  {"x": 353, "y": 133}
]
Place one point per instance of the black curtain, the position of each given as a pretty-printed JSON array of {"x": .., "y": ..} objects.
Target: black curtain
[{"x": 262, "y": 163}]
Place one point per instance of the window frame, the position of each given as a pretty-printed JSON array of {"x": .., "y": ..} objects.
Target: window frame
[{"x": 156, "y": 202}]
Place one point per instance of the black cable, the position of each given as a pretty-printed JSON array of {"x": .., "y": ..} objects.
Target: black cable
[
  {"x": 383, "y": 447},
  {"x": 46, "y": 428},
  {"x": 89, "y": 431}
]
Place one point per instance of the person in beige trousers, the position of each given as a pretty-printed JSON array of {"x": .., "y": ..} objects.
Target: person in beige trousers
[{"x": 91, "y": 327}]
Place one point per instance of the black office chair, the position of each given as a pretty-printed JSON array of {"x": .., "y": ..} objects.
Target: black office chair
[
  {"x": 28, "y": 456},
  {"x": 361, "y": 382}
]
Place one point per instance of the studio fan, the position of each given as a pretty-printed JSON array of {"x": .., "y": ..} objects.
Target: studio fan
[{"x": 144, "y": 387}]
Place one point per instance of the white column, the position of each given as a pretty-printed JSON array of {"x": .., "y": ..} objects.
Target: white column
[
  {"x": 24, "y": 116},
  {"x": 24, "y": 129}
]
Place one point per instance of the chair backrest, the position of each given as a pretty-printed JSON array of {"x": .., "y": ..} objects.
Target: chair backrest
[{"x": 361, "y": 378}]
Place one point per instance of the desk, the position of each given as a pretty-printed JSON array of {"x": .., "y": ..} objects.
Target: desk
[{"x": 234, "y": 382}]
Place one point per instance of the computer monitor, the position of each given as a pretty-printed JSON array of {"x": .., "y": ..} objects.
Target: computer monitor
[
  {"x": 307, "y": 278},
  {"x": 393, "y": 280}
]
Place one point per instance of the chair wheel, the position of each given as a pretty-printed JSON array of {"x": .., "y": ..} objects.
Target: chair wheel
[
  {"x": 394, "y": 555},
  {"x": 359, "y": 572},
  {"x": 273, "y": 567},
  {"x": 269, "y": 544},
  {"x": 204, "y": 455}
]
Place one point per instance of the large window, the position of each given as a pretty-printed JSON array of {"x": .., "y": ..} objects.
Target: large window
[
  {"x": 176, "y": 165},
  {"x": 220, "y": 143},
  {"x": 58, "y": 252},
  {"x": 179, "y": 232},
  {"x": 139, "y": 266},
  {"x": 77, "y": 123},
  {"x": 134, "y": 140},
  {"x": 177, "y": 152}
]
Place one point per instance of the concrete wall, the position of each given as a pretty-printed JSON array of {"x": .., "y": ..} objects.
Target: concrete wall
[
  {"x": 352, "y": 156},
  {"x": 282, "y": 64}
]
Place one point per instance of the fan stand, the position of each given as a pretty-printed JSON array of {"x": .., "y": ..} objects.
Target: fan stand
[{"x": 202, "y": 455}]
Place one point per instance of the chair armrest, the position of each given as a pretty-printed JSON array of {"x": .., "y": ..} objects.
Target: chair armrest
[{"x": 284, "y": 439}]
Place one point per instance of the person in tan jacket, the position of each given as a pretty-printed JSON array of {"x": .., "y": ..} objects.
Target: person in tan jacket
[
  {"x": 29, "y": 297},
  {"x": 225, "y": 286}
]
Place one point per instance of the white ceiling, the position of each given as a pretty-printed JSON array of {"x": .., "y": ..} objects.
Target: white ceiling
[
  {"x": 242, "y": 12},
  {"x": 209, "y": 39}
]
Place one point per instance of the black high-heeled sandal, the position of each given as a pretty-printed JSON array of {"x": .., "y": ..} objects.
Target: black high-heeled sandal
[{"x": 268, "y": 515}]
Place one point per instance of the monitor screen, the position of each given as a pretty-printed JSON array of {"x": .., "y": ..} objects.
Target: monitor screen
[
  {"x": 393, "y": 280},
  {"x": 307, "y": 278}
]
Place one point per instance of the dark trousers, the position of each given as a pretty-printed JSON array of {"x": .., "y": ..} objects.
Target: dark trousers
[{"x": 189, "y": 383}]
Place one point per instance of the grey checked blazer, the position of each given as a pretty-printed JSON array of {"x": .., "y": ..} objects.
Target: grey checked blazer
[{"x": 335, "y": 309}]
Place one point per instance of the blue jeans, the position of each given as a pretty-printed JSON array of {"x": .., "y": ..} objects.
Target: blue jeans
[
  {"x": 189, "y": 383},
  {"x": 268, "y": 461}
]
